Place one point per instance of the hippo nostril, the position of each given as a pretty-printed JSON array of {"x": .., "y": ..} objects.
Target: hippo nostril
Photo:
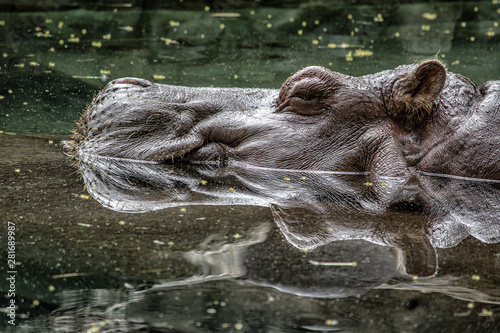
[
  {"x": 134, "y": 81},
  {"x": 69, "y": 148}
]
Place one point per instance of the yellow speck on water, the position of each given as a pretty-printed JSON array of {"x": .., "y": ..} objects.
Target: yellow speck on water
[
  {"x": 290, "y": 186},
  {"x": 330, "y": 229},
  {"x": 104, "y": 71},
  {"x": 207, "y": 8},
  {"x": 306, "y": 250},
  {"x": 2, "y": 97},
  {"x": 52, "y": 64},
  {"x": 121, "y": 222},
  {"x": 51, "y": 142},
  {"x": 17, "y": 170},
  {"x": 490, "y": 33},
  {"x": 486, "y": 313},
  {"x": 60, "y": 25},
  {"x": 414, "y": 277},
  {"x": 470, "y": 305},
  {"x": 476, "y": 277},
  {"x": 269, "y": 16},
  {"x": 127, "y": 28},
  {"x": 303, "y": 178},
  {"x": 269, "y": 25},
  {"x": 169, "y": 41},
  {"x": 363, "y": 53},
  {"x": 231, "y": 189},
  {"x": 429, "y": 16},
  {"x": 183, "y": 209},
  {"x": 368, "y": 184},
  {"x": 159, "y": 77},
  {"x": 174, "y": 23},
  {"x": 238, "y": 326},
  {"x": 2, "y": 23},
  {"x": 425, "y": 27},
  {"x": 384, "y": 184},
  {"x": 235, "y": 76},
  {"x": 203, "y": 182},
  {"x": 472, "y": 38},
  {"x": 378, "y": 18},
  {"x": 222, "y": 26},
  {"x": 5, "y": 55},
  {"x": 291, "y": 19},
  {"x": 84, "y": 31},
  {"x": 397, "y": 34},
  {"x": 300, "y": 32},
  {"x": 348, "y": 57},
  {"x": 96, "y": 44},
  {"x": 170, "y": 243},
  {"x": 10, "y": 91},
  {"x": 36, "y": 302},
  {"x": 315, "y": 42},
  {"x": 476, "y": 9},
  {"x": 34, "y": 63},
  {"x": 84, "y": 196},
  {"x": 287, "y": 179},
  {"x": 349, "y": 16},
  {"x": 107, "y": 37},
  {"x": 158, "y": 242},
  {"x": 304, "y": 23},
  {"x": 456, "y": 62},
  {"x": 236, "y": 236},
  {"x": 52, "y": 288},
  {"x": 61, "y": 42},
  {"x": 48, "y": 21},
  {"x": 463, "y": 24},
  {"x": 25, "y": 103},
  {"x": 316, "y": 22},
  {"x": 331, "y": 322}
]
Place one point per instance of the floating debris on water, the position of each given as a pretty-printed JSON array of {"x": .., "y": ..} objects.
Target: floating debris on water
[
  {"x": 429, "y": 16},
  {"x": 323, "y": 263}
]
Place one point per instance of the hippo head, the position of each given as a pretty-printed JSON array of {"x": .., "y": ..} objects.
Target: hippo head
[
  {"x": 384, "y": 124},
  {"x": 406, "y": 95}
]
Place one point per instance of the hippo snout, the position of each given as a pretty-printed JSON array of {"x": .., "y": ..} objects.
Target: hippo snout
[{"x": 132, "y": 81}]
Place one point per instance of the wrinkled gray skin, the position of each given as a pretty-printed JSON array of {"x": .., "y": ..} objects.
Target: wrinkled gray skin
[{"x": 393, "y": 123}]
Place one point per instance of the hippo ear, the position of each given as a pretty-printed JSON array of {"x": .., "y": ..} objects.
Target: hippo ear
[{"x": 415, "y": 93}]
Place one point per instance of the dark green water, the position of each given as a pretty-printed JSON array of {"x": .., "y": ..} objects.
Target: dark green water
[
  {"x": 234, "y": 264},
  {"x": 54, "y": 57}
]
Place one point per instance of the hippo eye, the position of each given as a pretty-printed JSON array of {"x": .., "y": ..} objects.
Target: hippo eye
[
  {"x": 306, "y": 97},
  {"x": 308, "y": 89}
]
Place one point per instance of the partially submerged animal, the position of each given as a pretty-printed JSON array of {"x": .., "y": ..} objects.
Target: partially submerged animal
[{"x": 415, "y": 118}]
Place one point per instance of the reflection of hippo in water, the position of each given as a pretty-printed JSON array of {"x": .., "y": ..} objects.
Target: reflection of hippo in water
[{"x": 416, "y": 117}]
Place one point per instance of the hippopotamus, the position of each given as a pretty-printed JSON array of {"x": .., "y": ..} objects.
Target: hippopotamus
[{"x": 416, "y": 118}]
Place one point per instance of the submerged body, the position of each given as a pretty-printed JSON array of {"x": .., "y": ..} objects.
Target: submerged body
[{"x": 415, "y": 118}]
